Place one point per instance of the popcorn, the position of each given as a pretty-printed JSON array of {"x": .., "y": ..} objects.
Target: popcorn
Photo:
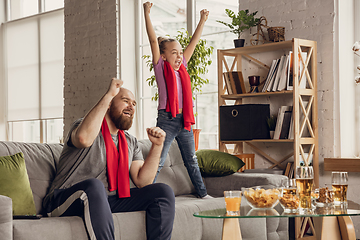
[{"x": 261, "y": 198}]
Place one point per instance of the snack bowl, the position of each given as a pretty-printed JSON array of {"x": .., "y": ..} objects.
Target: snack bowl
[
  {"x": 260, "y": 197},
  {"x": 290, "y": 202}
]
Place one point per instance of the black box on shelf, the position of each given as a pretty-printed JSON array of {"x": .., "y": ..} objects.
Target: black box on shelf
[{"x": 244, "y": 122}]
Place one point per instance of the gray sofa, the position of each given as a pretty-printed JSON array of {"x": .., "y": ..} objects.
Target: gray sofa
[{"x": 41, "y": 161}]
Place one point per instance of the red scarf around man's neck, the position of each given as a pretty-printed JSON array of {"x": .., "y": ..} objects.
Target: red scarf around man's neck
[
  {"x": 172, "y": 103},
  {"x": 117, "y": 162}
]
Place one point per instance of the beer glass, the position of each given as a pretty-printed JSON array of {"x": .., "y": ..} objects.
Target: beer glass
[
  {"x": 339, "y": 183},
  {"x": 304, "y": 182}
]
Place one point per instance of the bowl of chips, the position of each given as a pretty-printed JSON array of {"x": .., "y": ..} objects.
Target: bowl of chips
[{"x": 260, "y": 197}]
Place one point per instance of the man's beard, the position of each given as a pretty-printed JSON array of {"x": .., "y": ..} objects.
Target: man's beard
[{"x": 121, "y": 122}]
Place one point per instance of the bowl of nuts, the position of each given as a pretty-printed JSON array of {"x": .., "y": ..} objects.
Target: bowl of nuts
[
  {"x": 289, "y": 200},
  {"x": 325, "y": 197},
  {"x": 260, "y": 197}
]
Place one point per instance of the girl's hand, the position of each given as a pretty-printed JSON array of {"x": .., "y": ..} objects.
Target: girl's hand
[
  {"x": 147, "y": 7},
  {"x": 204, "y": 14}
]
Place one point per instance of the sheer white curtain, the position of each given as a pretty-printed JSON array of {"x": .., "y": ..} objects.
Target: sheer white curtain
[
  {"x": 34, "y": 71},
  {"x": 357, "y": 63}
]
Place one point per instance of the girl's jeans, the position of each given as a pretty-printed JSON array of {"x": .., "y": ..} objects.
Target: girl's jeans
[{"x": 174, "y": 128}]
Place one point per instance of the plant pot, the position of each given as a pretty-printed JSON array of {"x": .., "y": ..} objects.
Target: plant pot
[
  {"x": 196, "y": 133},
  {"x": 239, "y": 42}
]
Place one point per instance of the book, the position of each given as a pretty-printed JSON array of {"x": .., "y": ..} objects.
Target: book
[
  {"x": 284, "y": 133},
  {"x": 269, "y": 75},
  {"x": 228, "y": 83},
  {"x": 284, "y": 75},
  {"x": 305, "y": 132},
  {"x": 280, "y": 119},
  {"x": 290, "y": 82},
  {"x": 278, "y": 73},
  {"x": 288, "y": 168},
  {"x": 237, "y": 82},
  {"x": 271, "y": 81}
]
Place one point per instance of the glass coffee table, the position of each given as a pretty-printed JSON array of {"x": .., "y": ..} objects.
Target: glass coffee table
[{"x": 329, "y": 223}]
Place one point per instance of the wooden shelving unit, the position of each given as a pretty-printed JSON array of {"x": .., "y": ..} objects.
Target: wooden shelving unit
[
  {"x": 301, "y": 114},
  {"x": 304, "y": 147}
]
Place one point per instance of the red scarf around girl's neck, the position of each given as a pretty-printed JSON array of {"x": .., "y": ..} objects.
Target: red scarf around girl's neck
[
  {"x": 117, "y": 162},
  {"x": 172, "y": 103}
]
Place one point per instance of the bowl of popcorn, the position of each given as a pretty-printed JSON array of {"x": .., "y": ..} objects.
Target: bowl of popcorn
[{"x": 260, "y": 197}]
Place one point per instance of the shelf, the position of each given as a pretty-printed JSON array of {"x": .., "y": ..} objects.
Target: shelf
[
  {"x": 342, "y": 164},
  {"x": 259, "y": 140},
  {"x": 259, "y": 48},
  {"x": 249, "y": 95}
]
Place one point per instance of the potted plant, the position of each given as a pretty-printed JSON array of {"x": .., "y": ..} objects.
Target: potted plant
[
  {"x": 240, "y": 22},
  {"x": 196, "y": 67},
  {"x": 271, "y": 121}
]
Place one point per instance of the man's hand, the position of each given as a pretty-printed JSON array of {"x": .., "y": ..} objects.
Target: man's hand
[
  {"x": 147, "y": 7},
  {"x": 204, "y": 14},
  {"x": 156, "y": 135},
  {"x": 114, "y": 87}
]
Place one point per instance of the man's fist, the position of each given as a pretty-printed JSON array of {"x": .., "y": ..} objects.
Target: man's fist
[
  {"x": 156, "y": 135},
  {"x": 115, "y": 86}
]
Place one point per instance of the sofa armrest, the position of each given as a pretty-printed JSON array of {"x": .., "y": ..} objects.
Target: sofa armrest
[
  {"x": 217, "y": 185},
  {"x": 6, "y": 218}
]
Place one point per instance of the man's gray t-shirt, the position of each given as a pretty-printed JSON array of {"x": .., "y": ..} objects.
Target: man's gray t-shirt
[{"x": 79, "y": 164}]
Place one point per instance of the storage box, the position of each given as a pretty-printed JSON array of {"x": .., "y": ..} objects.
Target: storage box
[{"x": 244, "y": 122}]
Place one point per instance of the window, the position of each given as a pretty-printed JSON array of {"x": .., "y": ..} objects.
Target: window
[
  {"x": 34, "y": 45},
  {"x": 167, "y": 20}
]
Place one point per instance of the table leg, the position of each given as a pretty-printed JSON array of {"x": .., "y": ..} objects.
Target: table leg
[
  {"x": 231, "y": 229},
  {"x": 327, "y": 228},
  {"x": 346, "y": 228}
]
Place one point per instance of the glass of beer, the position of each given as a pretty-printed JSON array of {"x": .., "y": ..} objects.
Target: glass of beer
[
  {"x": 232, "y": 202},
  {"x": 304, "y": 182},
  {"x": 339, "y": 183}
]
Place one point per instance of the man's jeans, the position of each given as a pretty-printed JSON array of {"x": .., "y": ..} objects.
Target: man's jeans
[{"x": 174, "y": 128}]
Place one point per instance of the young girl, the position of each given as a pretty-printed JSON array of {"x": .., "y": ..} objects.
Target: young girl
[{"x": 175, "y": 110}]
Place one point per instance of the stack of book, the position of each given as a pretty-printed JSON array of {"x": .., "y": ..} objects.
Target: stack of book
[
  {"x": 280, "y": 75},
  {"x": 284, "y": 120},
  {"x": 284, "y": 128},
  {"x": 234, "y": 82}
]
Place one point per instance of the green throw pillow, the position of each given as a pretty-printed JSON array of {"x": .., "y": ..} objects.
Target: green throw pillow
[
  {"x": 215, "y": 163},
  {"x": 14, "y": 183}
]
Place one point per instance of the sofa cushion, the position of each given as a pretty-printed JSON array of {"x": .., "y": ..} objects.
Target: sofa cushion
[
  {"x": 215, "y": 163},
  {"x": 40, "y": 160},
  {"x": 14, "y": 183}
]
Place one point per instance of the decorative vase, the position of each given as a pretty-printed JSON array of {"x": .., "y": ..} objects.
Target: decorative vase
[
  {"x": 272, "y": 134},
  {"x": 239, "y": 42},
  {"x": 196, "y": 133}
]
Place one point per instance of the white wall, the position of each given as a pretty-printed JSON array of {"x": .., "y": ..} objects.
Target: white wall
[{"x": 2, "y": 75}]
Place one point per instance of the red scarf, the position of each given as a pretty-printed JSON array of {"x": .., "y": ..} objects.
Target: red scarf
[
  {"x": 117, "y": 162},
  {"x": 172, "y": 104}
]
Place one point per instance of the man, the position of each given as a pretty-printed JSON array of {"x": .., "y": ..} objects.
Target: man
[{"x": 100, "y": 162}]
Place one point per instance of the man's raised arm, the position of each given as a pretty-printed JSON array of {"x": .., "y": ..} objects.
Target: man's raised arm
[{"x": 84, "y": 135}]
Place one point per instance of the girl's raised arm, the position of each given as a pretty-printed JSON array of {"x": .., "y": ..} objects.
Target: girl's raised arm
[
  {"x": 151, "y": 33},
  {"x": 197, "y": 34}
]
